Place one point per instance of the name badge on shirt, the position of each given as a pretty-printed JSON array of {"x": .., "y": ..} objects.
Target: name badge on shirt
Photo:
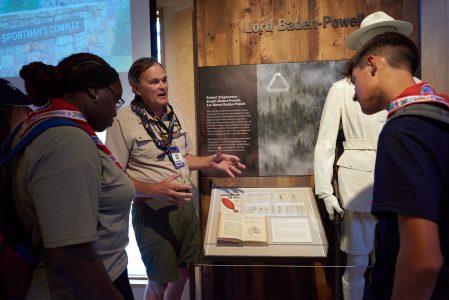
[{"x": 177, "y": 158}]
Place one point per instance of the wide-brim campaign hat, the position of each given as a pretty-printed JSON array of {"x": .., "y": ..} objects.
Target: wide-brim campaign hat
[
  {"x": 382, "y": 23},
  {"x": 10, "y": 95}
]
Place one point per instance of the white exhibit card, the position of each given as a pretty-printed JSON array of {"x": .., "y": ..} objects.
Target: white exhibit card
[{"x": 290, "y": 230}]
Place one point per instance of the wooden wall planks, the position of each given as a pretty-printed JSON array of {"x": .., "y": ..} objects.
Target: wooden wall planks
[
  {"x": 435, "y": 44},
  {"x": 222, "y": 39}
]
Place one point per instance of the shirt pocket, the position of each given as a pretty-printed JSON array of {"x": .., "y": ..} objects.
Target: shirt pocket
[{"x": 144, "y": 147}]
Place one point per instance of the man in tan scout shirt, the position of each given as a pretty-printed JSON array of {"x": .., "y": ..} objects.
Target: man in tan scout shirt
[{"x": 148, "y": 139}]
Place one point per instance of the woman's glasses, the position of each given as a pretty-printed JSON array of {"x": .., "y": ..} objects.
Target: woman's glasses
[{"x": 120, "y": 100}]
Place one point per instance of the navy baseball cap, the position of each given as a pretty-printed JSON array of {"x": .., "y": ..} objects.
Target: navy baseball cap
[{"x": 10, "y": 95}]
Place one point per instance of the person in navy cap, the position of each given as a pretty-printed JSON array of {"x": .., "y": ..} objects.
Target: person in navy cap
[{"x": 14, "y": 107}]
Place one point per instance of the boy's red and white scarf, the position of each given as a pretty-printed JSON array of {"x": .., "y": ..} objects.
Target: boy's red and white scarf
[
  {"x": 59, "y": 108},
  {"x": 417, "y": 93}
]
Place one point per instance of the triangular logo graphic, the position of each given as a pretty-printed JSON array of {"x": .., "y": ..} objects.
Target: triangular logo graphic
[{"x": 278, "y": 83}]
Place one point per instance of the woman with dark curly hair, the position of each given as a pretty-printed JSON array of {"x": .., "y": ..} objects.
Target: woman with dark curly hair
[{"x": 69, "y": 191}]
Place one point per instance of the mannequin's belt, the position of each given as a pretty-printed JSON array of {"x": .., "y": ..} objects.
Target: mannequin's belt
[{"x": 360, "y": 145}]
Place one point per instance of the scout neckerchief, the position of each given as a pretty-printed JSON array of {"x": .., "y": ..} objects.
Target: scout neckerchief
[
  {"x": 165, "y": 132},
  {"x": 418, "y": 93},
  {"x": 59, "y": 108}
]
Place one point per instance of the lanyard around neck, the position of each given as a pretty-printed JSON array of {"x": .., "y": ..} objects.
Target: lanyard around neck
[{"x": 166, "y": 139}]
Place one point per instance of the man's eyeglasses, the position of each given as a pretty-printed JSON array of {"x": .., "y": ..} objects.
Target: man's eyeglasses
[{"x": 120, "y": 100}]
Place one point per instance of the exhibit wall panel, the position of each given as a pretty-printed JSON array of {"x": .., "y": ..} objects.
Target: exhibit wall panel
[
  {"x": 238, "y": 32},
  {"x": 264, "y": 70},
  {"x": 435, "y": 44},
  {"x": 259, "y": 88}
]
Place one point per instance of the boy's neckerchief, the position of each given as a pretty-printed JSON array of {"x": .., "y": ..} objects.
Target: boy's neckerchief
[
  {"x": 418, "y": 93},
  {"x": 59, "y": 108},
  {"x": 163, "y": 144}
]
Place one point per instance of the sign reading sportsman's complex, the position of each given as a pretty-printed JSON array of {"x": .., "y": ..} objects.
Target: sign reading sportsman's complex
[
  {"x": 30, "y": 33},
  {"x": 284, "y": 24}
]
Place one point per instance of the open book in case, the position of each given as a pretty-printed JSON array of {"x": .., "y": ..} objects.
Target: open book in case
[{"x": 264, "y": 222}]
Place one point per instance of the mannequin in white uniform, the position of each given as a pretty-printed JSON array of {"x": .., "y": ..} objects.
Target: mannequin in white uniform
[{"x": 356, "y": 164}]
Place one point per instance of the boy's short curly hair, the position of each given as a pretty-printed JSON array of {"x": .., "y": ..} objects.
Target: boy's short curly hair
[{"x": 399, "y": 51}]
